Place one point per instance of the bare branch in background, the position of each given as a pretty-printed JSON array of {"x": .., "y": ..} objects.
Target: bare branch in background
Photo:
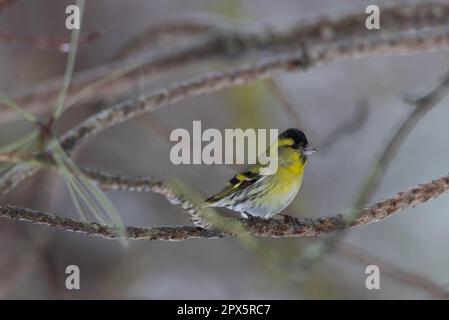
[
  {"x": 291, "y": 227},
  {"x": 45, "y": 43},
  {"x": 359, "y": 255},
  {"x": 186, "y": 26},
  {"x": 421, "y": 107},
  {"x": 210, "y": 83},
  {"x": 5, "y": 3},
  {"x": 325, "y": 34},
  {"x": 378, "y": 168}
]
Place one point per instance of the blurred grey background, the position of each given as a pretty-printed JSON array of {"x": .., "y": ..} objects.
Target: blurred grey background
[{"x": 33, "y": 258}]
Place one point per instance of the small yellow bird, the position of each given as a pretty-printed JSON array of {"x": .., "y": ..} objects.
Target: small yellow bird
[{"x": 256, "y": 194}]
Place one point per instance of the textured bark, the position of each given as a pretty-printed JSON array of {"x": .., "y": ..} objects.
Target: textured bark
[
  {"x": 324, "y": 33},
  {"x": 289, "y": 227}
]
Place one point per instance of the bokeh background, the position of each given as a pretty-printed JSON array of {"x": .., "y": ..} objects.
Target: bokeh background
[{"x": 33, "y": 258}]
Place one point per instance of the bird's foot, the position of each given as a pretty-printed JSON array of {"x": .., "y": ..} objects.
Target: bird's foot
[
  {"x": 288, "y": 219},
  {"x": 250, "y": 217}
]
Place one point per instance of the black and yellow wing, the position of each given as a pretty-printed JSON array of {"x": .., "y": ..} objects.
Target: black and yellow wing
[{"x": 239, "y": 182}]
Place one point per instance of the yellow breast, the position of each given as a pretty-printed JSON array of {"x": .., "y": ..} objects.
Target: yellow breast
[{"x": 290, "y": 172}]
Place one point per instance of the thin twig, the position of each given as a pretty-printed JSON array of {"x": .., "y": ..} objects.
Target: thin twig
[
  {"x": 187, "y": 26},
  {"x": 421, "y": 107},
  {"x": 291, "y": 227},
  {"x": 380, "y": 165},
  {"x": 361, "y": 256},
  {"x": 45, "y": 43},
  {"x": 5, "y": 3},
  {"x": 70, "y": 65}
]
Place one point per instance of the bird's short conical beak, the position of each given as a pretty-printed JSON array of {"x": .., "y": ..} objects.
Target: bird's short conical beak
[{"x": 308, "y": 151}]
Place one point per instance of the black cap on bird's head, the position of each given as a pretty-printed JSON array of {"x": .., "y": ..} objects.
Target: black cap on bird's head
[{"x": 296, "y": 139}]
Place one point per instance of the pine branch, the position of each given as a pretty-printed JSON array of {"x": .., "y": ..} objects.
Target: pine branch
[{"x": 290, "y": 227}]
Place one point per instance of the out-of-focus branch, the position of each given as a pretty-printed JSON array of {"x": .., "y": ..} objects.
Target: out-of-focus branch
[
  {"x": 326, "y": 33},
  {"x": 359, "y": 255},
  {"x": 148, "y": 184},
  {"x": 213, "y": 82},
  {"x": 422, "y": 106},
  {"x": 206, "y": 84},
  {"x": 187, "y": 26},
  {"x": 45, "y": 43},
  {"x": 147, "y": 102},
  {"x": 380, "y": 165},
  {"x": 290, "y": 227},
  {"x": 5, "y": 3},
  {"x": 15, "y": 157}
]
